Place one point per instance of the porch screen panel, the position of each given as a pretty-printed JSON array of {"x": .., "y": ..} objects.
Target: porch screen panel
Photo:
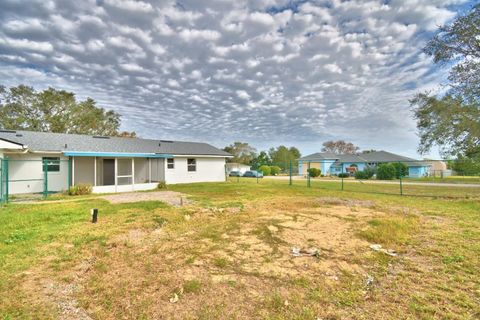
[
  {"x": 124, "y": 167},
  {"x": 124, "y": 171},
  {"x": 157, "y": 170},
  {"x": 141, "y": 170}
]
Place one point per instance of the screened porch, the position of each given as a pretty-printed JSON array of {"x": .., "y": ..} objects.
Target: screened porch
[{"x": 118, "y": 173}]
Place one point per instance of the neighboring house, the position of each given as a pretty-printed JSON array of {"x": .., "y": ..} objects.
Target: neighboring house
[
  {"x": 109, "y": 164},
  {"x": 333, "y": 164},
  {"x": 239, "y": 167},
  {"x": 438, "y": 168}
]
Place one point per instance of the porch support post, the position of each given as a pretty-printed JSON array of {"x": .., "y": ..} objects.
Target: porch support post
[
  {"x": 149, "y": 170},
  {"x": 116, "y": 173},
  {"x": 94, "y": 171},
  {"x": 73, "y": 171},
  {"x": 133, "y": 172}
]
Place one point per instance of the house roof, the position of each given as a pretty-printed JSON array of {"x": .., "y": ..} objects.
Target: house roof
[
  {"x": 376, "y": 156},
  {"x": 62, "y": 142},
  {"x": 320, "y": 156}
]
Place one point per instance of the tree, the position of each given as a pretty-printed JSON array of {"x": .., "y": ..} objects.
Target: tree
[
  {"x": 52, "y": 110},
  {"x": 458, "y": 43},
  {"x": 340, "y": 147},
  {"x": 266, "y": 170},
  {"x": 282, "y": 156},
  {"x": 466, "y": 166},
  {"x": 274, "y": 170},
  {"x": 261, "y": 159},
  {"x": 242, "y": 152},
  {"x": 401, "y": 169},
  {"x": 386, "y": 171},
  {"x": 452, "y": 121}
]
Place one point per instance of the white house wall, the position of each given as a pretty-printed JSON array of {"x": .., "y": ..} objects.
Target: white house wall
[
  {"x": 208, "y": 170},
  {"x": 27, "y": 176}
]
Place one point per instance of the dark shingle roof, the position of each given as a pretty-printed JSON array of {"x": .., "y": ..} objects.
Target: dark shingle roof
[
  {"x": 61, "y": 142},
  {"x": 376, "y": 156},
  {"x": 320, "y": 156}
]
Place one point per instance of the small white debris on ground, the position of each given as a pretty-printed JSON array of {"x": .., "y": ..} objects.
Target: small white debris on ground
[
  {"x": 311, "y": 252},
  {"x": 378, "y": 248}
]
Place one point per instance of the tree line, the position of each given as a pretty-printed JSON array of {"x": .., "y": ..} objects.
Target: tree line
[
  {"x": 52, "y": 110},
  {"x": 451, "y": 120}
]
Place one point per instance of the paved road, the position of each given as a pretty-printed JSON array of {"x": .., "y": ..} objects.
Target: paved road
[{"x": 435, "y": 184}]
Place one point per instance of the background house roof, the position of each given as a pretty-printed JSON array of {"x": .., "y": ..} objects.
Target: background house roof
[
  {"x": 376, "y": 156},
  {"x": 62, "y": 142}
]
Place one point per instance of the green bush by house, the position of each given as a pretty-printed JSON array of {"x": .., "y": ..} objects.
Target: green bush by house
[
  {"x": 275, "y": 170},
  {"x": 266, "y": 170},
  {"x": 343, "y": 175},
  {"x": 80, "y": 189},
  {"x": 401, "y": 170},
  {"x": 361, "y": 175},
  {"x": 314, "y": 172},
  {"x": 386, "y": 171}
]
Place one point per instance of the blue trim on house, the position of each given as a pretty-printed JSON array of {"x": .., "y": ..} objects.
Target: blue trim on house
[{"x": 116, "y": 154}]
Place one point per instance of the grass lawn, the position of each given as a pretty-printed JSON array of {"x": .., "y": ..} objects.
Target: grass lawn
[
  {"x": 228, "y": 255},
  {"x": 451, "y": 179}
]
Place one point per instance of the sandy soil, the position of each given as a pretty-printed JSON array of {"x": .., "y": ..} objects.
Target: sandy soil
[{"x": 171, "y": 197}]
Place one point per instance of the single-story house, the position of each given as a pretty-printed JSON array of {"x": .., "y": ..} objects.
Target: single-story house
[
  {"x": 237, "y": 167},
  {"x": 333, "y": 164},
  {"x": 109, "y": 164}
]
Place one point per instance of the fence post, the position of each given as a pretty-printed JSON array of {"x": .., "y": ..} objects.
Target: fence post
[
  {"x": 1, "y": 181},
  {"x": 45, "y": 178},
  {"x": 342, "y": 176},
  {"x": 401, "y": 186},
  {"x": 308, "y": 175},
  {"x": 238, "y": 176},
  {"x": 290, "y": 172}
]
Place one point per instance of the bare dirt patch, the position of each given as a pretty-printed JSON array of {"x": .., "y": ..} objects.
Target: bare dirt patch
[{"x": 171, "y": 197}]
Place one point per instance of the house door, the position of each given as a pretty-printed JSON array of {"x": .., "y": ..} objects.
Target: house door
[{"x": 108, "y": 172}]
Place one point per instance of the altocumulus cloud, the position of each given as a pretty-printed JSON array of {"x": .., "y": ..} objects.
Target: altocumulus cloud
[{"x": 264, "y": 71}]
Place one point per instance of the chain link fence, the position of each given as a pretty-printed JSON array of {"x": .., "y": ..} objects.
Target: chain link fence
[
  {"x": 415, "y": 178},
  {"x": 33, "y": 179}
]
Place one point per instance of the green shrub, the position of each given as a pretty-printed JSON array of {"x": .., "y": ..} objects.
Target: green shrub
[
  {"x": 361, "y": 175},
  {"x": 80, "y": 189},
  {"x": 370, "y": 171},
  {"x": 401, "y": 169},
  {"x": 162, "y": 185},
  {"x": 386, "y": 171},
  {"x": 314, "y": 172},
  {"x": 343, "y": 175},
  {"x": 265, "y": 170},
  {"x": 274, "y": 170}
]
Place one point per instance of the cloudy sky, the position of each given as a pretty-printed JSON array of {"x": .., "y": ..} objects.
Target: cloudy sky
[{"x": 268, "y": 72}]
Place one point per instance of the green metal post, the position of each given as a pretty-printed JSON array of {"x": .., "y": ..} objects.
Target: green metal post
[
  {"x": 401, "y": 186},
  {"x": 290, "y": 172},
  {"x": 1, "y": 180},
  {"x": 238, "y": 177},
  {"x": 45, "y": 179},
  {"x": 342, "y": 176},
  {"x": 308, "y": 175}
]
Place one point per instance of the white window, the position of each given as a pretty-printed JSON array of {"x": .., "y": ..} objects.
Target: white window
[
  {"x": 192, "y": 165},
  {"x": 170, "y": 163}
]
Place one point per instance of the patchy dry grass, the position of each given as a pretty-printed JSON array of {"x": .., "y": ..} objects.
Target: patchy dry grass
[{"x": 228, "y": 255}]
